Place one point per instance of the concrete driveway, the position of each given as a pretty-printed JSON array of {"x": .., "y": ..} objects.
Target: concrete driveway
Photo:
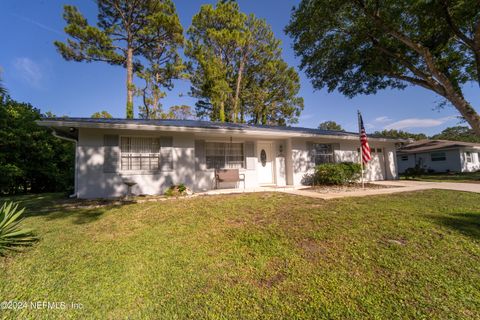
[
  {"x": 399, "y": 186},
  {"x": 458, "y": 186}
]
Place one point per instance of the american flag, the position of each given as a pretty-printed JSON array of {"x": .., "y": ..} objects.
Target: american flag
[{"x": 364, "y": 141}]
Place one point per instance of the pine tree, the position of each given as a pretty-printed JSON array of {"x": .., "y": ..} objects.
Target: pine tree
[
  {"x": 236, "y": 68},
  {"x": 126, "y": 33}
]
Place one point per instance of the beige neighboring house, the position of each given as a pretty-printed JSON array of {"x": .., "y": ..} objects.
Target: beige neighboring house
[
  {"x": 156, "y": 154},
  {"x": 440, "y": 156}
]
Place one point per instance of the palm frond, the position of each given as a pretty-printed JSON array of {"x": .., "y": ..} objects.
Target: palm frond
[{"x": 11, "y": 236}]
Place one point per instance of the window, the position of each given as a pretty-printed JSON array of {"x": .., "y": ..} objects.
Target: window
[
  {"x": 404, "y": 158},
  {"x": 323, "y": 153},
  {"x": 140, "y": 153},
  {"x": 468, "y": 156},
  {"x": 379, "y": 150},
  {"x": 220, "y": 155},
  {"x": 438, "y": 156}
]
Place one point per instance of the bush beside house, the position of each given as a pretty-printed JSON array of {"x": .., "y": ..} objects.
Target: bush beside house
[{"x": 336, "y": 173}]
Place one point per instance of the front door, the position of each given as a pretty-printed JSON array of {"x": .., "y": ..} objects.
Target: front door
[{"x": 265, "y": 163}]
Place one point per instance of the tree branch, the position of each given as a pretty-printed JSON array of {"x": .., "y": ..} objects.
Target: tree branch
[
  {"x": 423, "y": 51},
  {"x": 466, "y": 40}
]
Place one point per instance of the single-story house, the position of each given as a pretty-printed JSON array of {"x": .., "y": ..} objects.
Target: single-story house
[
  {"x": 159, "y": 153},
  {"x": 440, "y": 156}
]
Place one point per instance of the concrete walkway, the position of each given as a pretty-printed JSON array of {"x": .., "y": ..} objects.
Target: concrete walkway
[
  {"x": 400, "y": 186},
  {"x": 396, "y": 186}
]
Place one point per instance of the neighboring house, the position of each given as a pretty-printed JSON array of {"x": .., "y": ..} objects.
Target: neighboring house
[
  {"x": 440, "y": 156},
  {"x": 159, "y": 153}
]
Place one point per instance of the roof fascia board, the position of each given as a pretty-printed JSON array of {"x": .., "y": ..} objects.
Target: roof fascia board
[{"x": 130, "y": 126}]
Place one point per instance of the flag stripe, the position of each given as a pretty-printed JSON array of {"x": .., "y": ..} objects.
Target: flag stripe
[{"x": 366, "y": 156}]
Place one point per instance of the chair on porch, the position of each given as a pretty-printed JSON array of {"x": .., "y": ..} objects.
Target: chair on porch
[{"x": 228, "y": 175}]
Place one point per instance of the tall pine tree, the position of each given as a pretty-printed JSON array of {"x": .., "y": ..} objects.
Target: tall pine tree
[
  {"x": 127, "y": 32},
  {"x": 236, "y": 68}
]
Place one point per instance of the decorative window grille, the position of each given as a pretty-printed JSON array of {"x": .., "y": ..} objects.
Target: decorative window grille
[
  {"x": 221, "y": 155},
  {"x": 140, "y": 153},
  {"x": 323, "y": 153}
]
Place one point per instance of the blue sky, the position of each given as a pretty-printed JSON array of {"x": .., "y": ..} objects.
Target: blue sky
[{"x": 34, "y": 72}]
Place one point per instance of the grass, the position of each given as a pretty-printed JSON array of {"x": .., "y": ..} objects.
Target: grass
[
  {"x": 269, "y": 256},
  {"x": 468, "y": 177}
]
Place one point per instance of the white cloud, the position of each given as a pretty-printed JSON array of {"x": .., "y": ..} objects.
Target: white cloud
[
  {"x": 29, "y": 71},
  {"x": 418, "y": 123},
  {"x": 382, "y": 119}
]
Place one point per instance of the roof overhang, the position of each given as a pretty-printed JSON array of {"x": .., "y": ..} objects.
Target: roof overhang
[{"x": 69, "y": 125}]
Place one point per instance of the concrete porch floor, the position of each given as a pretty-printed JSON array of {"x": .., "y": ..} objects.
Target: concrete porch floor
[
  {"x": 241, "y": 190},
  {"x": 395, "y": 187}
]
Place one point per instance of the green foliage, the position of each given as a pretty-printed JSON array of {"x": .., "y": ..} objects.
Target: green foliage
[
  {"x": 164, "y": 64},
  {"x": 101, "y": 115},
  {"x": 236, "y": 68},
  {"x": 414, "y": 172},
  {"x": 337, "y": 173},
  {"x": 179, "y": 112},
  {"x": 330, "y": 125},
  {"x": 129, "y": 110},
  {"x": 3, "y": 90},
  {"x": 31, "y": 158},
  {"x": 127, "y": 33},
  {"x": 11, "y": 236},
  {"x": 176, "y": 190},
  {"x": 458, "y": 133},
  {"x": 398, "y": 134},
  {"x": 182, "y": 112},
  {"x": 360, "y": 47}
]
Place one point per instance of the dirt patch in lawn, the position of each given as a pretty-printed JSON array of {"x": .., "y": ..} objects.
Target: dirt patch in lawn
[{"x": 348, "y": 188}]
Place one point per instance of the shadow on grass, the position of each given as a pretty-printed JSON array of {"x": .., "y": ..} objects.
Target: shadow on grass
[
  {"x": 465, "y": 223},
  {"x": 57, "y": 206}
]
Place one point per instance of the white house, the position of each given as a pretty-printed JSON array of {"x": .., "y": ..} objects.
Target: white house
[
  {"x": 159, "y": 153},
  {"x": 440, "y": 156}
]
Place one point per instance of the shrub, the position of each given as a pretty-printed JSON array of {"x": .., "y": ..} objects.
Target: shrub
[
  {"x": 176, "y": 190},
  {"x": 414, "y": 172},
  {"x": 11, "y": 236},
  {"x": 337, "y": 173}
]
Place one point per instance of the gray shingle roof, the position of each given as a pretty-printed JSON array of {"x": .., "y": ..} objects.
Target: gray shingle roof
[
  {"x": 430, "y": 145},
  {"x": 202, "y": 124}
]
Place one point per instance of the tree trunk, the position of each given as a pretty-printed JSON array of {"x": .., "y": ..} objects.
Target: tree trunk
[
  {"x": 222, "y": 111},
  {"x": 237, "y": 90},
  {"x": 129, "y": 83},
  {"x": 467, "y": 111},
  {"x": 264, "y": 115}
]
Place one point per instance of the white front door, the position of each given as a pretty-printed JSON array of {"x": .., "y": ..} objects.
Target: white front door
[{"x": 265, "y": 163}]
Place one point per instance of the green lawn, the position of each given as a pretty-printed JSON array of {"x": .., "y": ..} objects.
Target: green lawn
[
  {"x": 272, "y": 255},
  {"x": 469, "y": 177}
]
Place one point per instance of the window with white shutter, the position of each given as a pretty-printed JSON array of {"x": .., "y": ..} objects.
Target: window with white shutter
[
  {"x": 220, "y": 155},
  {"x": 140, "y": 153},
  {"x": 323, "y": 153}
]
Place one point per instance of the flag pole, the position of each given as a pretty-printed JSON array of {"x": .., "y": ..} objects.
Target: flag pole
[{"x": 361, "y": 149}]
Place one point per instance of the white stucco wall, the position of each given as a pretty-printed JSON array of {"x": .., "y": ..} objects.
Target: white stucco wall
[
  {"x": 94, "y": 183},
  {"x": 382, "y": 166},
  {"x": 474, "y": 164},
  {"x": 453, "y": 161}
]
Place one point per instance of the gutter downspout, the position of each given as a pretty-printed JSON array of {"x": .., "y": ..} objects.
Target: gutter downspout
[{"x": 55, "y": 134}]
